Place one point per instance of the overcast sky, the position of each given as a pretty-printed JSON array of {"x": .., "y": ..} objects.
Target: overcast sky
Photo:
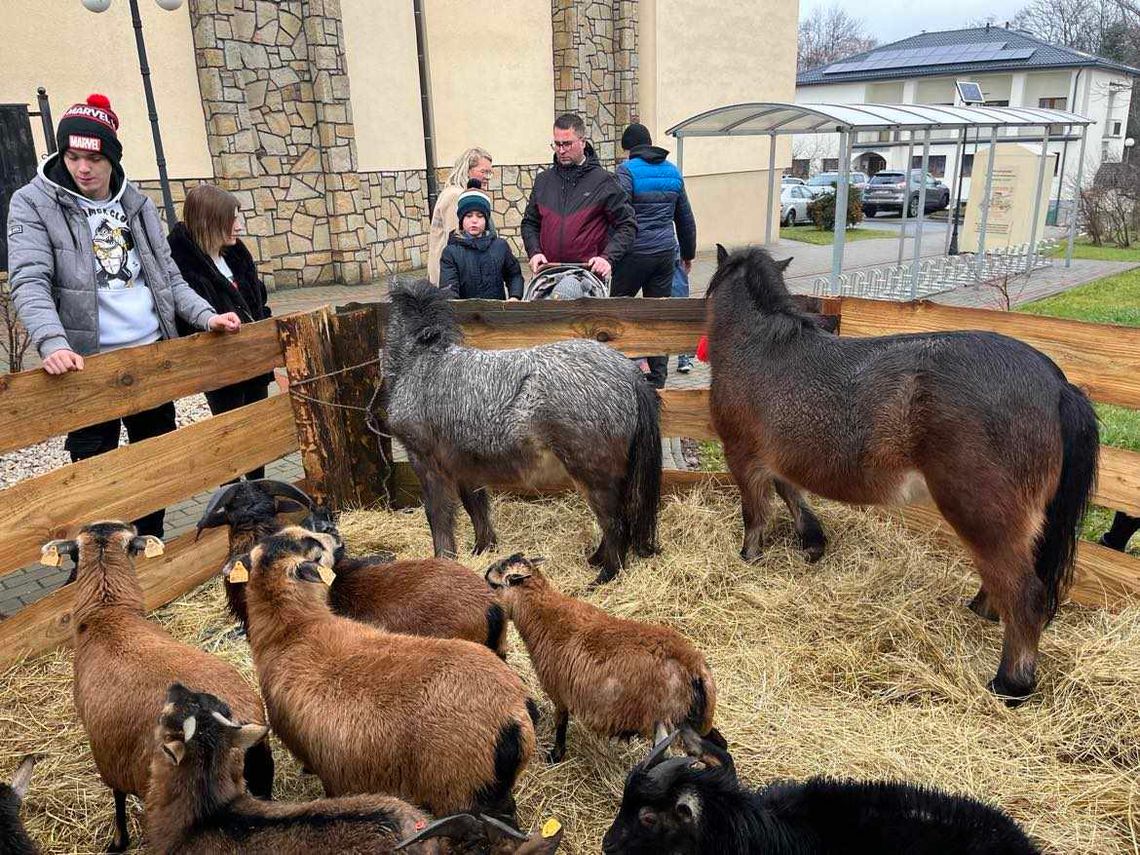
[{"x": 891, "y": 20}]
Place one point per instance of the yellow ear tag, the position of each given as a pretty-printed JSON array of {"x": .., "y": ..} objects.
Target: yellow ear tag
[
  {"x": 550, "y": 828},
  {"x": 154, "y": 547},
  {"x": 238, "y": 574},
  {"x": 327, "y": 575},
  {"x": 49, "y": 555}
]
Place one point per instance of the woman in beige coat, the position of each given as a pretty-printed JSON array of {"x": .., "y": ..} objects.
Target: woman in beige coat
[{"x": 473, "y": 163}]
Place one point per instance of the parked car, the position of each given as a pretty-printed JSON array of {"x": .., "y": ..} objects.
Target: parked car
[
  {"x": 794, "y": 201},
  {"x": 788, "y": 180},
  {"x": 888, "y": 191},
  {"x": 825, "y": 182}
]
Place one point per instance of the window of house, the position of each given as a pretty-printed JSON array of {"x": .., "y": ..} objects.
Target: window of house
[
  {"x": 1004, "y": 102},
  {"x": 1116, "y": 129},
  {"x": 831, "y": 164},
  {"x": 801, "y": 166},
  {"x": 1053, "y": 103},
  {"x": 936, "y": 166},
  {"x": 967, "y": 165}
]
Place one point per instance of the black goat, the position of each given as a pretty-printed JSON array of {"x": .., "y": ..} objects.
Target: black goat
[
  {"x": 14, "y": 839},
  {"x": 688, "y": 806}
]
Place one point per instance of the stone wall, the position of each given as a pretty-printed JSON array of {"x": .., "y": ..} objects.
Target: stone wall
[
  {"x": 397, "y": 223},
  {"x": 595, "y": 67},
  {"x": 275, "y": 93}
]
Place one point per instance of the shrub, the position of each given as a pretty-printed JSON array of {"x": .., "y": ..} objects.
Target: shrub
[{"x": 822, "y": 210}]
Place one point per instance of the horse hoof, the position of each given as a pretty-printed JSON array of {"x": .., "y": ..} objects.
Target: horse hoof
[
  {"x": 814, "y": 551},
  {"x": 1012, "y": 696},
  {"x": 555, "y": 755},
  {"x": 480, "y": 549},
  {"x": 603, "y": 577},
  {"x": 595, "y": 560},
  {"x": 648, "y": 551},
  {"x": 752, "y": 557}
]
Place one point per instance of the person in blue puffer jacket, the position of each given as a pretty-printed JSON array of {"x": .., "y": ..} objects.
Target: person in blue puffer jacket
[{"x": 664, "y": 220}]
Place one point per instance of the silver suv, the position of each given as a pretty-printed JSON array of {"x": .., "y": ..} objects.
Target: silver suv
[{"x": 888, "y": 191}]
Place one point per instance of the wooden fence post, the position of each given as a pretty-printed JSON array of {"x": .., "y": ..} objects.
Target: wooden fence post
[{"x": 344, "y": 463}]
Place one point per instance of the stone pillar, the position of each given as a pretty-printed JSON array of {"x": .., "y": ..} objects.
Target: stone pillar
[
  {"x": 595, "y": 67},
  {"x": 279, "y": 126}
]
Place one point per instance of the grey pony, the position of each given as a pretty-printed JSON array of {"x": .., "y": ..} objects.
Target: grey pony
[{"x": 469, "y": 417}]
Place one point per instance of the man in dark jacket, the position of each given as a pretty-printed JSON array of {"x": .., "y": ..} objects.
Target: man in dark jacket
[
  {"x": 477, "y": 264},
  {"x": 664, "y": 219},
  {"x": 577, "y": 211}
]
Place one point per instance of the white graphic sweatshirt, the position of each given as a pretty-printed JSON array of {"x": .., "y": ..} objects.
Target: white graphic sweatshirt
[{"x": 127, "y": 315}]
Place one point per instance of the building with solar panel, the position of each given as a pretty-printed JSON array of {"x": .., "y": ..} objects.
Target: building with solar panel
[{"x": 1001, "y": 67}]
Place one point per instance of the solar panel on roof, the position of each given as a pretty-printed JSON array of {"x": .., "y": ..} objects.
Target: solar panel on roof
[{"x": 941, "y": 55}]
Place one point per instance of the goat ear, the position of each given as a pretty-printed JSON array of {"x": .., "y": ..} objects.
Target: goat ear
[
  {"x": 23, "y": 776},
  {"x": 721, "y": 255},
  {"x": 783, "y": 265},
  {"x": 236, "y": 570},
  {"x": 249, "y": 735},
  {"x": 517, "y": 577},
  {"x": 51, "y": 552},
  {"x": 175, "y": 750},
  {"x": 311, "y": 571},
  {"x": 285, "y": 505},
  {"x": 149, "y": 545}
]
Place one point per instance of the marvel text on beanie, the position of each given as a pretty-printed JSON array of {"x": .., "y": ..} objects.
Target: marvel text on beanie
[{"x": 91, "y": 127}]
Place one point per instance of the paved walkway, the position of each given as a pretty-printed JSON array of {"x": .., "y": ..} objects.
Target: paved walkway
[{"x": 26, "y": 586}]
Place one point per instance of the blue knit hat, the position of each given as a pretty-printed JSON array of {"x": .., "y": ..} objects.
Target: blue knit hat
[{"x": 473, "y": 199}]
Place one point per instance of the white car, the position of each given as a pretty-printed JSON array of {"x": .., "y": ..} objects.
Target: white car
[
  {"x": 794, "y": 200},
  {"x": 788, "y": 180}
]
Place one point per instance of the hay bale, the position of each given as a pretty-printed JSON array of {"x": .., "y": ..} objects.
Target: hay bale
[{"x": 865, "y": 665}]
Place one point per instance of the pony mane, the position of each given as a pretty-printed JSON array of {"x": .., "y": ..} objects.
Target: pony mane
[
  {"x": 424, "y": 314},
  {"x": 754, "y": 273}
]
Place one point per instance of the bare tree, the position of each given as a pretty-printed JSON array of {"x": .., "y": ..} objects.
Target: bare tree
[
  {"x": 14, "y": 340},
  {"x": 828, "y": 34},
  {"x": 1085, "y": 25}
]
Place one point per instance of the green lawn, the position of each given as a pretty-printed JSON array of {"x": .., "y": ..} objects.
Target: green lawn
[
  {"x": 810, "y": 234},
  {"x": 1112, "y": 300},
  {"x": 1083, "y": 249}
]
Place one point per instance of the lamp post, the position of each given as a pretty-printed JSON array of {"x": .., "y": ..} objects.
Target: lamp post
[{"x": 144, "y": 68}]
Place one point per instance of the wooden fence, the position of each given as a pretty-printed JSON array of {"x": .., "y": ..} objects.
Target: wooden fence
[{"x": 331, "y": 357}]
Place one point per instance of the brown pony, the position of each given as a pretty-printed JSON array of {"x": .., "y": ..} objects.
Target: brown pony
[{"x": 982, "y": 424}]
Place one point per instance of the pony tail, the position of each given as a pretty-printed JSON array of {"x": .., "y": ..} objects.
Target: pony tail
[
  {"x": 1057, "y": 543},
  {"x": 641, "y": 492}
]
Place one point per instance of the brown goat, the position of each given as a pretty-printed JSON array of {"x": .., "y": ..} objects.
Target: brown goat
[
  {"x": 440, "y": 722},
  {"x": 433, "y": 597},
  {"x": 621, "y": 677},
  {"x": 197, "y": 804},
  {"x": 124, "y": 663}
]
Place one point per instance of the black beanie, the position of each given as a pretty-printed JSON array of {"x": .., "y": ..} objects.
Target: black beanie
[
  {"x": 91, "y": 127},
  {"x": 635, "y": 135}
]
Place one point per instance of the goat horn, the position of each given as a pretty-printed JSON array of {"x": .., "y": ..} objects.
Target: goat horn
[
  {"x": 658, "y": 753},
  {"x": 23, "y": 776},
  {"x": 490, "y": 823},
  {"x": 288, "y": 491},
  {"x": 189, "y": 727},
  {"x": 461, "y": 825},
  {"x": 222, "y": 720},
  {"x": 212, "y": 517}
]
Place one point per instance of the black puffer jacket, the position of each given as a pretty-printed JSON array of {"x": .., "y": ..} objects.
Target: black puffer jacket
[
  {"x": 482, "y": 268},
  {"x": 248, "y": 300}
]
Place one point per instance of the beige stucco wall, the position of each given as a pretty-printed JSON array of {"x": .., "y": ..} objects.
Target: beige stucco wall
[
  {"x": 707, "y": 54},
  {"x": 729, "y": 207},
  {"x": 73, "y": 52},
  {"x": 1057, "y": 84},
  {"x": 380, "y": 44},
  {"x": 492, "y": 80}
]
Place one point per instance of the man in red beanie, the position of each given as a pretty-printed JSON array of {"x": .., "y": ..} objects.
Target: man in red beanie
[{"x": 90, "y": 269}]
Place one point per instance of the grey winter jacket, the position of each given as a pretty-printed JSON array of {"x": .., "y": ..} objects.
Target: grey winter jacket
[{"x": 51, "y": 266}]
